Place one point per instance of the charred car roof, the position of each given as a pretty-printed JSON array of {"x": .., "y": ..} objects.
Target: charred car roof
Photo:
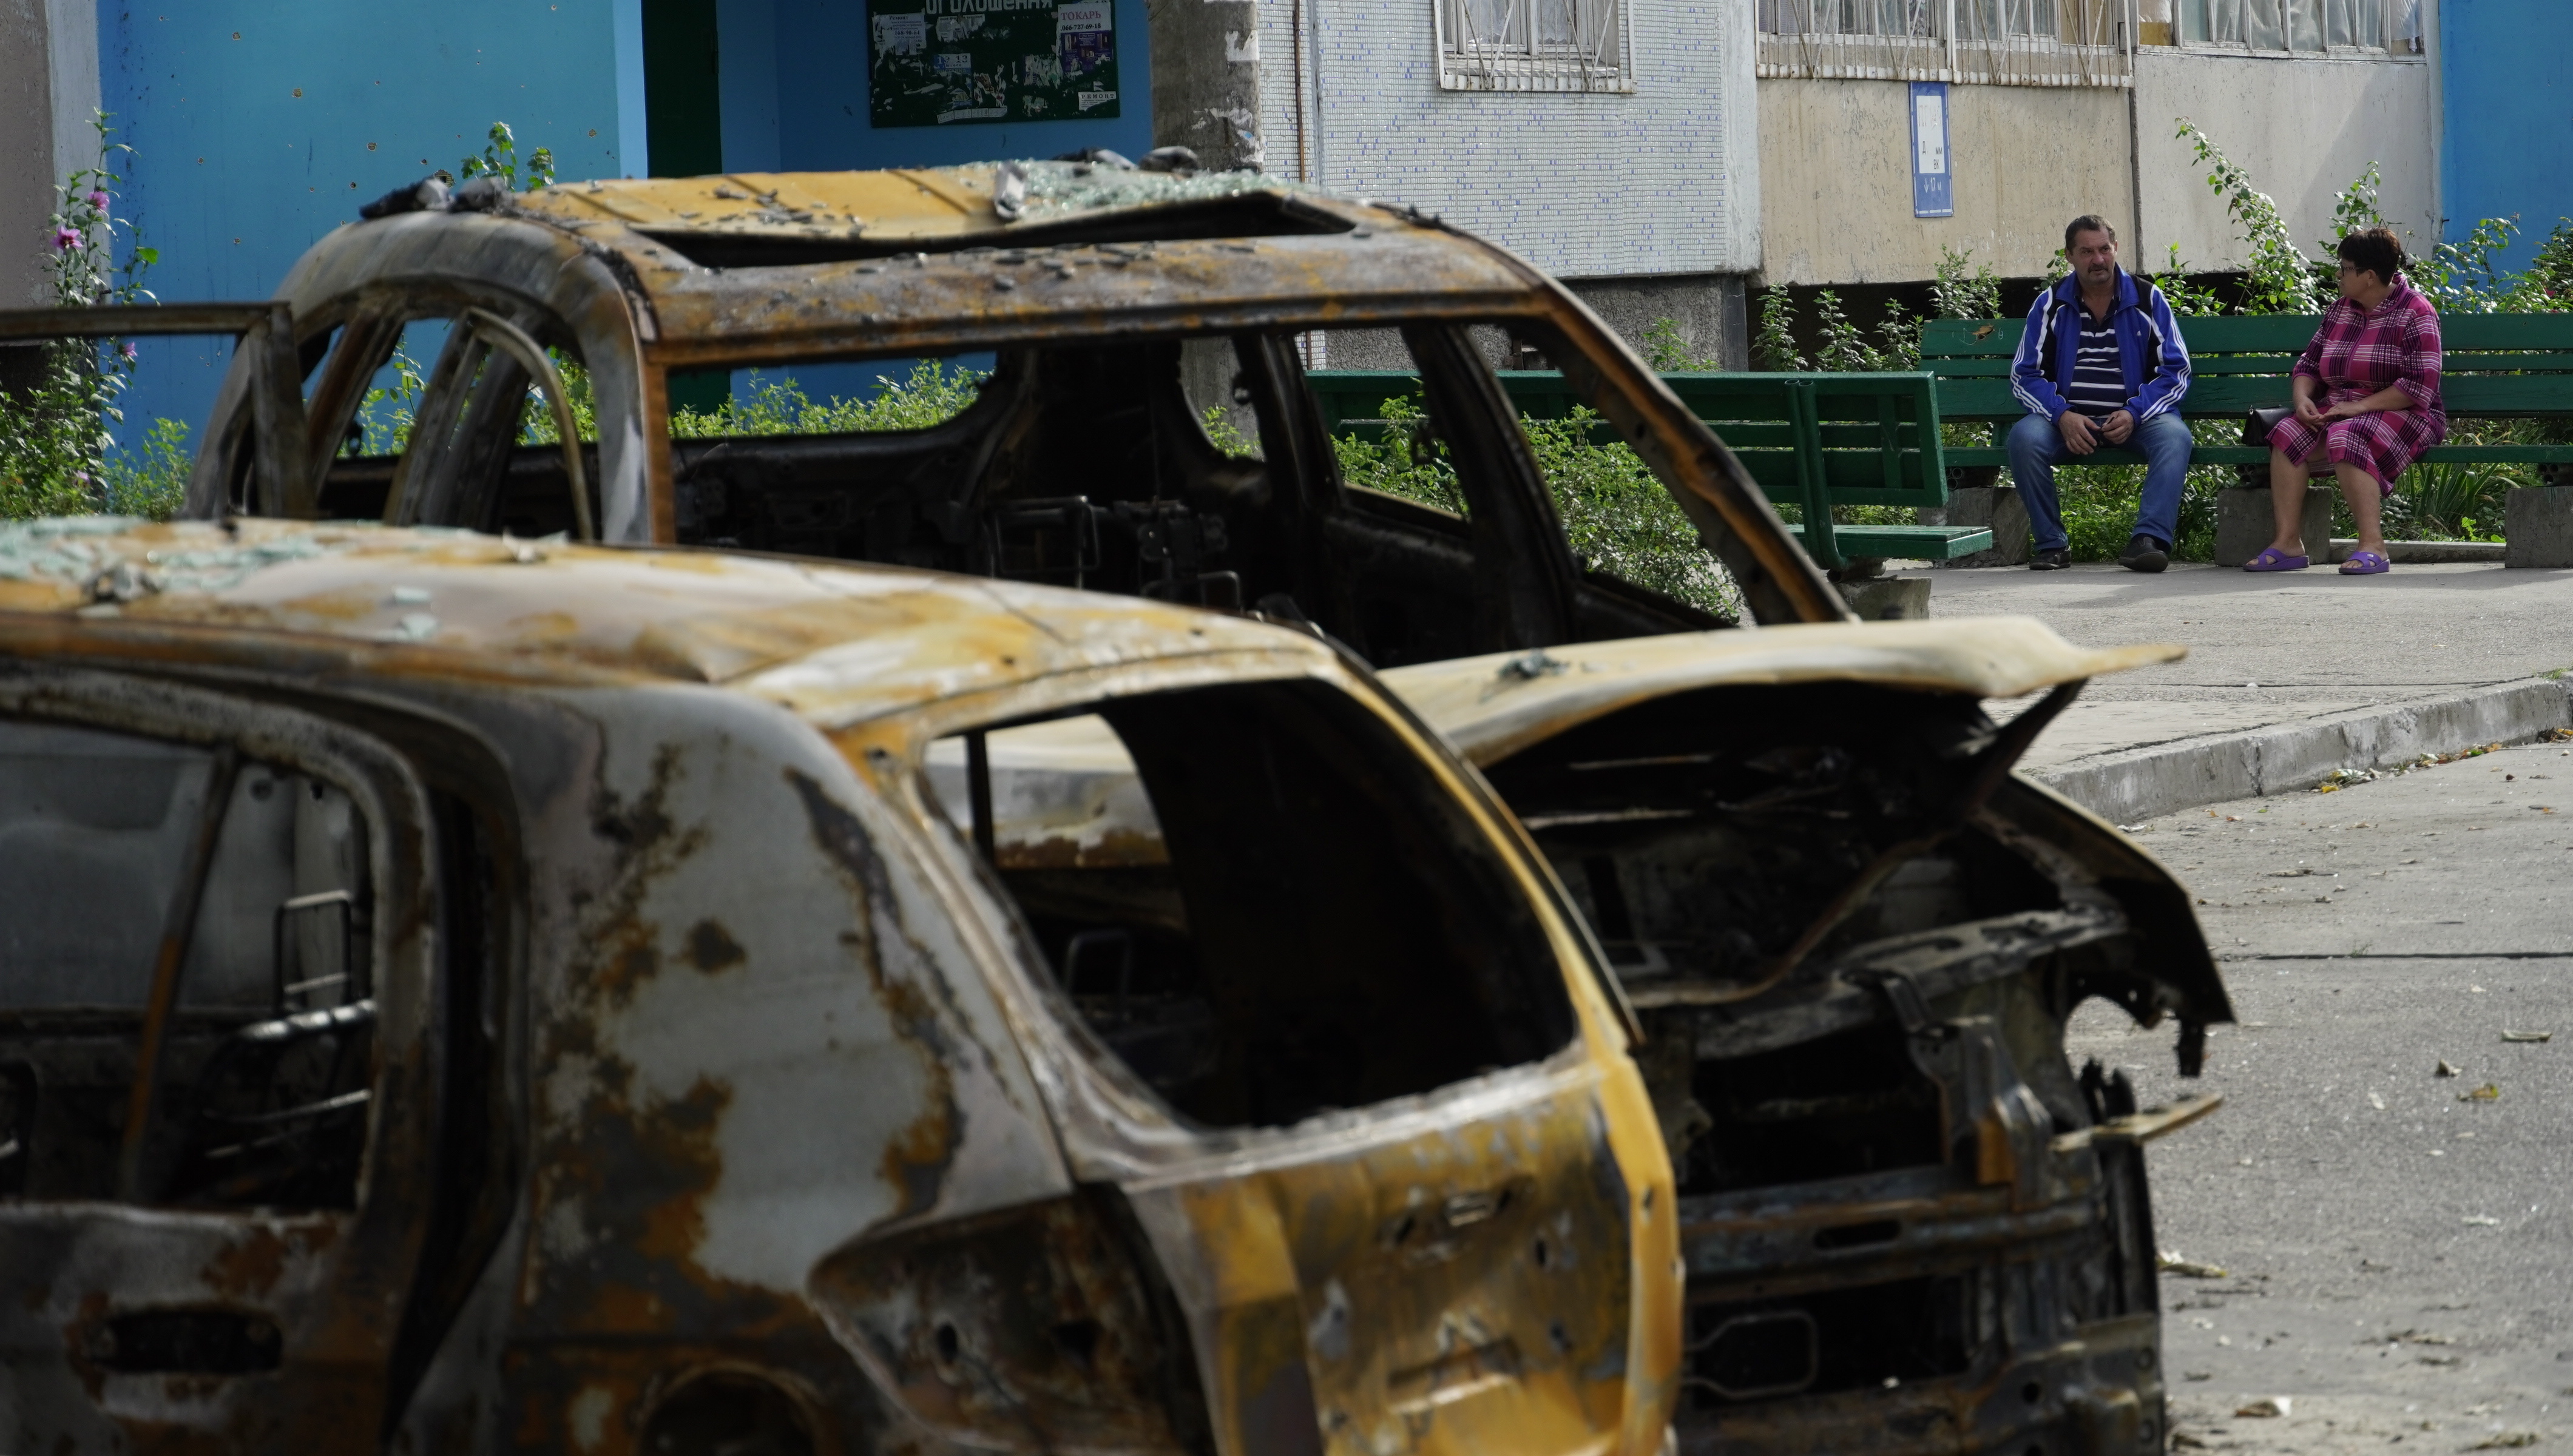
[
  {"x": 754, "y": 264},
  {"x": 454, "y": 602}
]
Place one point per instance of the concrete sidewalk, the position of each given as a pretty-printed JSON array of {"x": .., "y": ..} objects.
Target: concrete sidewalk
[{"x": 2288, "y": 676}]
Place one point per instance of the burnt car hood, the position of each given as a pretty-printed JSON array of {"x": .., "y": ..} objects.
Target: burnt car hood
[{"x": 1493, "y": 706}]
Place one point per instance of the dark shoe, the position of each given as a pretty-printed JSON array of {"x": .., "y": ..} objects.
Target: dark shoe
[
  {"x": 2048, "y": 560},
  {"x": 2144, "y": 553}
]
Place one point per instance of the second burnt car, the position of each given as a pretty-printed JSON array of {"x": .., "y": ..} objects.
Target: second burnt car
[{"x": 1852, "y": 933}]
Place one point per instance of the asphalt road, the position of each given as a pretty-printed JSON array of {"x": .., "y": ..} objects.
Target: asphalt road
[{"x": 2399, "y": 1253}]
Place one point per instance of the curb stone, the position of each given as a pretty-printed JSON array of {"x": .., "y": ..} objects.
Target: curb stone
[{"x": 2131, "y": 785}]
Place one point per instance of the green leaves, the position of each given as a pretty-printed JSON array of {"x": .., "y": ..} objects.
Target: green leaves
[
  {"x": 2277, "y": 279},
  {"x": 500, "y": 159},
  {"x": 1616, "y": 515},
  {"x": 933, "y": 394},
  {"x": 54, "y": 443}
]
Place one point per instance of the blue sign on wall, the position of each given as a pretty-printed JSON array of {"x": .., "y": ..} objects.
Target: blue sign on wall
[{"x": 1931, "y": 196}]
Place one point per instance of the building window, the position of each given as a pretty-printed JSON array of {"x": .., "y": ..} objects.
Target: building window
[
  {"x": 2003, "y": 42},
  {"x": 1853, "y": 17},
  {"x": 1534, "y": 45},
  {"x": 2308, "y": 27}
]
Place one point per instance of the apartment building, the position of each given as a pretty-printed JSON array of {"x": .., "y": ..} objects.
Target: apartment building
[{"x": 1892, "y": 130}]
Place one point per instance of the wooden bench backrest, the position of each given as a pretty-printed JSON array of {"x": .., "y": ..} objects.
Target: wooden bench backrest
[{"x": 2496, "y": 364}]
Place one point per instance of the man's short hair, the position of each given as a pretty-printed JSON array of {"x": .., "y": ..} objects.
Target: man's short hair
[
  {"x": 2086, "y": 223},
  {"x": 2373, "y": 250}
]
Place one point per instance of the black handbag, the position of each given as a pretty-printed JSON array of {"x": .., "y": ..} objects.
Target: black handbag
[{"x": 2257, "y": 423}]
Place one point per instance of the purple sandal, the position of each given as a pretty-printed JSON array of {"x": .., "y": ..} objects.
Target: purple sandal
[
  {"x": 2273, "y": 559},
  {"x": 2365, "y": 564}
]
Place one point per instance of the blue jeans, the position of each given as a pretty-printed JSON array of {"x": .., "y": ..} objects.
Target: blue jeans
[{"x": 2037, "y": 447}]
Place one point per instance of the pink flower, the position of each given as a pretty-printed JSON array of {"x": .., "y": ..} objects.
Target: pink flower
[
  {"x": 66, "y": 239},
  {"x": 98, "y": 200},
  {"x": 126, "y": 349}
]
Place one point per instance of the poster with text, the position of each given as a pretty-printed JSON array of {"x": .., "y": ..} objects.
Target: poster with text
[{"x": 940, "y": 63}]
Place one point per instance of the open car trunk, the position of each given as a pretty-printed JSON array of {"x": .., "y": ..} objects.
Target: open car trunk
[{"x": 1852, "y": 938}]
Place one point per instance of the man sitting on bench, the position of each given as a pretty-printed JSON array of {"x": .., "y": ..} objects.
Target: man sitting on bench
[{"x": 2101, "y": 363}]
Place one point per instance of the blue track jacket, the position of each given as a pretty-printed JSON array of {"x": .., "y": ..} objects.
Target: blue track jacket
[{"x": 2150, "y": 348}]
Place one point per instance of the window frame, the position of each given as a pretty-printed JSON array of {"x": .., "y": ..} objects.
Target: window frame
[
  {"x": 1466, "y": 63},
  {"x": 395, "y": 808},
  {"x": 2194, "y": 18},
  {"x": 1122, "y": 1120},
  {"x": 2038, "y": 42},
  {"x": 332, "y": 1311}
]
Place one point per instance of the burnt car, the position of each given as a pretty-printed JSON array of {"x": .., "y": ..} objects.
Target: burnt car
[
  {"x": 472, "y": 994},
  {"x": 1850, "y": 934}
]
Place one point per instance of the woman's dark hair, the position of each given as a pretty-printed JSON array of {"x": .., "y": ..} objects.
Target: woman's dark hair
[{"x": 2373, "y": 250}]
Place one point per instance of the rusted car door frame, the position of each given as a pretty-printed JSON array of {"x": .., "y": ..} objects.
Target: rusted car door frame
[
  {"x": 1209, "y": 1202},
  {"x": 331, "y": 1285}
]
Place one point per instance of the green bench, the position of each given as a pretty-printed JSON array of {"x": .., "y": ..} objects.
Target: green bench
[
  {"x": 2498, "y": 367},
  {"x": 1811, "y": 440}
]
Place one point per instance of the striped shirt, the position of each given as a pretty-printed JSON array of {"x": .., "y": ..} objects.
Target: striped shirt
[{"x": 2098, "y": 384}]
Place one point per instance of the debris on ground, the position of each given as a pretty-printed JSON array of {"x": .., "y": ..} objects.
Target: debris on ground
[
  {"x": 2488, "y": 1092},
  {"x": 2505, "y": 1441},
  {"x": 2172, "y": 1263},
  {"x": 2480, "y": 1221},
  {"x": 2342, "y": 778},
  {"x": 2376, "y": 1101},
  {"x": 2274, "y": 1405},
  {"x": 2197, "y": 1375},
  {"x": 2528, "y": 1036},
  {"x": 2445, "y": 1070},
  {"x": 2187, "y": 1441},
  {"x": 2418, "y": 1337}
]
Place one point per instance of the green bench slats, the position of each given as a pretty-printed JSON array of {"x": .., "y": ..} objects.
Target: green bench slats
[
  {"x": 2285, "y": 334},
  {"x": 1907, "y": 543},
  {"x": 2496, "y": 367},
  {"x": 2475, "y": 395},
  {"x": 1813, "y": 440}
]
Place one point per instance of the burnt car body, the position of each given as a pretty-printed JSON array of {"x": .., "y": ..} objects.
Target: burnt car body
[
  {"x": 474, "y": 996},
  {"x": 1850, "y": 934}
]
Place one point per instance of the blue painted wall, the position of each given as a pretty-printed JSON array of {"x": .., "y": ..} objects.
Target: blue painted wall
[
  {"x": 2506, "y": 74},
  {"x": 257, "y": 128}
]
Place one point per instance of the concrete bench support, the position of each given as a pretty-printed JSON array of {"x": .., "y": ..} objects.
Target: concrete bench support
[
  {"x": 2540, "y": 527},
  {"x": 2244, "y": 523},
  {"x": 1995, "y": 508}
]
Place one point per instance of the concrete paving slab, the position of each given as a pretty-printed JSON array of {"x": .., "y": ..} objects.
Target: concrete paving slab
[{"x": 2288, "y": 676}]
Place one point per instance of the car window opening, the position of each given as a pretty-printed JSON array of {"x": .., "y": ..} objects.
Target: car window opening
[
  {"x": 1252, "y": 907},
  {"x": 263, "y": 1074}
]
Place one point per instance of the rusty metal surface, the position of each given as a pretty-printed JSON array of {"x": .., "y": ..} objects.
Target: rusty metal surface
[
  {"x": 323, "y": 1290},
  {"x": 837, "y": 643},
  {"x": 606, "y": 268},
  {"x": 731, "y": 921},
  {"x": 1492, "y": 706}
]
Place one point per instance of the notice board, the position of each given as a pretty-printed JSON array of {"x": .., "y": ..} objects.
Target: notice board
[
  {"x": 1932, "y": 196},
  {"x": 940, "y": 63}
]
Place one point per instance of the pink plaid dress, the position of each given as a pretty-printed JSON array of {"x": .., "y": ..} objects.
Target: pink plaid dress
[{"x": 2356, "y": 353}]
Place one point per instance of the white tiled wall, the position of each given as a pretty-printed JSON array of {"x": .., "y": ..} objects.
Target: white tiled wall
[{"x": 1665, "y": 180}]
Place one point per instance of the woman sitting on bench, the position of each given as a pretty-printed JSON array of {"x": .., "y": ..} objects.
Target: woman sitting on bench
[{"x": 2366, "y": 401}]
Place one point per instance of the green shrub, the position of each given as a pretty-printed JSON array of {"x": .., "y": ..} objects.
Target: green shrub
[{"x": 1616, "y": 515}]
